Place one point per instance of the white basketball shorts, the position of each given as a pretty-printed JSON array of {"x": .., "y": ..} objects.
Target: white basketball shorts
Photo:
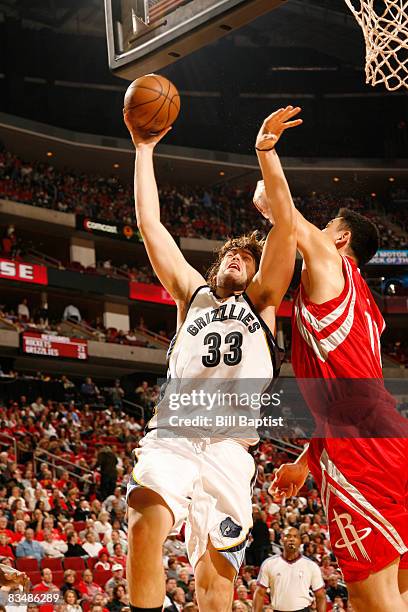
[{"x": 207, "y": 484}]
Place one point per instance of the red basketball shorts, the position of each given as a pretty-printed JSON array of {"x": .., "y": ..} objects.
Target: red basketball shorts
[{"x": 364, "y": 491}]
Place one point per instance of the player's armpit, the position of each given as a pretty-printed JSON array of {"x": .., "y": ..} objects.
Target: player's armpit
[{"x": 322, "y": 260}]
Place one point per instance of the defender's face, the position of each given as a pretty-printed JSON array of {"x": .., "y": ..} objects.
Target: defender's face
[
  {"x": 237, "y": 269},
  {"x": 334, "y": 230}
]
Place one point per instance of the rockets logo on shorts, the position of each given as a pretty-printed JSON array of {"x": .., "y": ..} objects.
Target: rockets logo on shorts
[{"x": 351, "y": 537}]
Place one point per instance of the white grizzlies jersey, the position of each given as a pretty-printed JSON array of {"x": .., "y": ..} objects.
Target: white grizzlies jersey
[
  {"x": 223, "y": 339},
  {"x": 222, "y": 350}
]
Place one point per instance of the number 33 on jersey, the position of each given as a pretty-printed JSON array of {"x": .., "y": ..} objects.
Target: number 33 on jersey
[{"x": 223, "y": 339}]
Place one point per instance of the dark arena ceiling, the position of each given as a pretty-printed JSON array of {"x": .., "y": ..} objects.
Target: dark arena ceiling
[{"x": 54, "y": 69}]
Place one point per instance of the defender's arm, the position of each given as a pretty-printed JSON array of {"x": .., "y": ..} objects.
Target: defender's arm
[
  {"x": 322, "y": 262},
  {"x": 278, "y": 258}
]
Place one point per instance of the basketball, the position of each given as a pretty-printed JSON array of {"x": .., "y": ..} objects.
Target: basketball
[{"x": 153, "y": 103}]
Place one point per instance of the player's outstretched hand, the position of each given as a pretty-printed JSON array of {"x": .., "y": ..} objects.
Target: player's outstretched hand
[
  {"x": 11, "y": 578},
  {"x": 139, "y": 138},
  {"x": 274, "y": 126},
  {"x": 288, "y": 480}
]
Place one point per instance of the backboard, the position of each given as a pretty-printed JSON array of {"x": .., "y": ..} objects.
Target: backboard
[{"x": 146, "y": 35}]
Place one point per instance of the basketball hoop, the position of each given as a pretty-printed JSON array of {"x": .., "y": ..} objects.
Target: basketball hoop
[{"x": 385, "y": 28}]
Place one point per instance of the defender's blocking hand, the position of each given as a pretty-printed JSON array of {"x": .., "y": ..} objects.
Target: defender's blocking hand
[{"x": 274, "y": 126}]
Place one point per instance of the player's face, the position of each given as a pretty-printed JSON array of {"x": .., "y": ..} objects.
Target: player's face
[
  {"x": 335, "y": 230},
  {"x": 237, "y": 269}
]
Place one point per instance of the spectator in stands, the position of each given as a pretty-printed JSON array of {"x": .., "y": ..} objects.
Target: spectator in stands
[
  {"x": 89, "y": 390},
  {"x": 71, "y": 602},
  {"x": 118, "y": 556},
  {"x": 92, "y": 544},
  {"x": 117, "y": 394},
  {"x": 71, "y": 313},
  {"x": 87, "y": 587},
  {"x": 119, "y": 599},
  {"x": 117, "y": 578},
  {"x": 29, "y": 547},
  {"x": 4, "y": 527},
  {"x": 103, "y": 560},
  {"x": 74, "y": 548},
  {"x": 52, "y": 546},
  {"x": 334, "y": 589},
  {"x": 338, "y": 604},
  {"x": 38, "y": 406},
  {"x": 179, "y": 599},
  {"x": 107, "y": 462},
  {"x": 23, "y": 311},
  {"x": 69, "y": 582},
  {"x": 5, "y": 548},
  {"x": 117, "y": 538},
  {"x": 16, "y": 496},
  {"x": 326, "y": 568},
  {"x": 100, "y": 599},
  {"x": 117, "y": 495},
  {"x": 83, "y": 511},
  {"x": 171, "y": 586},
  {"x": 259, "y": 547},
  {"x": 241, "y": 606},
  {"x": 102, "y": 525},
  {"x": 46, "y": 585},
  {"x": 19, "y": 531},
  {"x": 174, "y": 546},
  {"x": 183, "y": 579}
]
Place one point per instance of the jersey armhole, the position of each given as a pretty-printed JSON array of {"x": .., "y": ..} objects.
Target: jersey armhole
[
  {"x": 277, "y": 352},
  {"x": 307, "y": 302}
]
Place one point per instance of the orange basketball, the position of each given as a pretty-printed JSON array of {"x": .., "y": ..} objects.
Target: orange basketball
[{"x": 152, "y": 103}]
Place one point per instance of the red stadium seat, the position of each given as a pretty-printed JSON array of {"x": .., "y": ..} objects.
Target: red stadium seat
[
  {"x": 79, "y": 525},
  {"x": 58, "y": 578},
  {"x": 54, "y": 564},
  {"x": 27, "y": 565},
  {"x": 101, "y": 577},
  {"x": 74, "y": 563},
  {"x": 91, "y": 562},
  {"x": 35, "y": 577}
]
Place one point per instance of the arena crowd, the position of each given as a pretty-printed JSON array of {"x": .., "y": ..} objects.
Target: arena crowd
[
  {"x": 63, "y": 510},
  {"x": 190, "y": 212}
]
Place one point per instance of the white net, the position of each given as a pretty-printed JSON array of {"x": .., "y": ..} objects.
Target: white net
[{"x": 385, "y": 27}]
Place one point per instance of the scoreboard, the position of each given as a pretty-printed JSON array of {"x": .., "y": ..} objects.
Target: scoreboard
[{"x": 36, "y": 343}]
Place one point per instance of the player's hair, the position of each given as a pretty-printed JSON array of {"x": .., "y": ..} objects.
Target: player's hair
[
  {"x": 249, "y": 242},
  {"x": 365, "y": 238}
]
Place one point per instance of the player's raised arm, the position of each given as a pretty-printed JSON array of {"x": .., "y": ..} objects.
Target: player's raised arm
[
  {"x": 322, "y": 260},
  {"x": 174, "y": 272},
  {"x": 278, "y": 258}
]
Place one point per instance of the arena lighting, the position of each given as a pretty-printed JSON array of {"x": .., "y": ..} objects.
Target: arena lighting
[
  {"x": 336, "y": 179},
  {"x": 373, "y": 195},
  {"x": 391, "y": 179},
  {"x": 116, "y": 165},
  {"x": 222, "y": 173},
  {"x": 50, "y": 153}
]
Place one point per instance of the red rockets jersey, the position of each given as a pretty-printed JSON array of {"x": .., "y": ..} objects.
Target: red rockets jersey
[
  {"x": 363, "y": 480},
  {"x": 339, "y": 338}
]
